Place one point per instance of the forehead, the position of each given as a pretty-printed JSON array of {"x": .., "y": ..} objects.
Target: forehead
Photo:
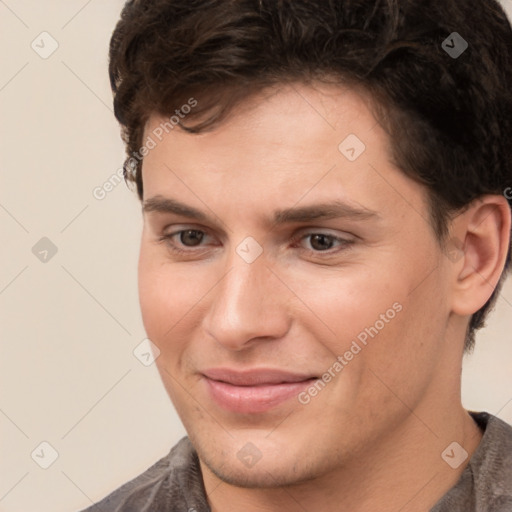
[
  {"x": 292, "y": 118},
  {"x": 286, "y": 145}
]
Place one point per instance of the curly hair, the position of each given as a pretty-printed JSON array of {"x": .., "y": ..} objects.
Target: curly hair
[{"x": 448, "y": 117}]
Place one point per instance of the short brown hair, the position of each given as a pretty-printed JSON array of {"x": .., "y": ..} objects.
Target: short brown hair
[{"x": 449, "y": 118}]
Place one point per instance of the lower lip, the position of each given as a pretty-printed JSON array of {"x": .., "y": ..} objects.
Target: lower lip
[{"x": 254, "y": 399}]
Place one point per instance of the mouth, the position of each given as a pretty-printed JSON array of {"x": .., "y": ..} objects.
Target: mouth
[{"x": 254, "y": 391}]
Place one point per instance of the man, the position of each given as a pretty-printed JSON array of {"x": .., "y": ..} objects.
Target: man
[{"x": 325, "y": 228}]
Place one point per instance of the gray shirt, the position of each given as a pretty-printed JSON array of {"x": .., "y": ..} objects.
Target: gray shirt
[{"x": 175, "y": 484}]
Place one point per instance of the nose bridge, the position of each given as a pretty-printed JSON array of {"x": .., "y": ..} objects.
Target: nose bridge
[{"x": 244, "y": 306}]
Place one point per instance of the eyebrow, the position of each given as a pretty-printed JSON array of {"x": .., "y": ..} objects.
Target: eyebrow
[
  {"x": 161, "y": 204},
  {"x": 321, "y": 211},
  {"x": 324, "y": 211}
]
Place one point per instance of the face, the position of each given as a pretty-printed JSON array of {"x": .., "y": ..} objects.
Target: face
[{"x": 293, "y": 285}]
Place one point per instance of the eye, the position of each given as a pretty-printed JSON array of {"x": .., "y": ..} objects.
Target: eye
[
  {"x": 185, "y": 240},
  {"x": 323, "y": 242},
  {"x": 190, "y": 237}
]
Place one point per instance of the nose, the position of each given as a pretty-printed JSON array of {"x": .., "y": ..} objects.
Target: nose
[{"x": 248, "y": 304}]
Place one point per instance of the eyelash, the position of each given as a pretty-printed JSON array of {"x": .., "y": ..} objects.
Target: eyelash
[{"x": 344, "y": 244}]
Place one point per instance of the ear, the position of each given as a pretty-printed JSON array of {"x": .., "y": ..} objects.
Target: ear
[{"x": 482, "y": 235}]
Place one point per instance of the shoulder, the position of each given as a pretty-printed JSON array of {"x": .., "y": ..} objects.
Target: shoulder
[
  {"x": 172, "y": 483},
  {"x": 486, "y": 483},
  {"x": 492, "y": 462}
]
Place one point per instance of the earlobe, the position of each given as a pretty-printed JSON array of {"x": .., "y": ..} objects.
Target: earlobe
[{"x": 483, "y": 232}]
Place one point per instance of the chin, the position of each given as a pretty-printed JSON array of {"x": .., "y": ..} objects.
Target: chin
[
  {"x": 247, "y": 478},
  {"x": 272, "y": 466},
  {"x": 261, "y": 476}
]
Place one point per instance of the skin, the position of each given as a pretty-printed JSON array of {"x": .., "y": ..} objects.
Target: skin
[{"x": 372, "y": 438}]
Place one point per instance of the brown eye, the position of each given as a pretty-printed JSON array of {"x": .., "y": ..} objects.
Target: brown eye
[
  {"x": 321, "y": 242},
  {"x": 191, "y": 237}
]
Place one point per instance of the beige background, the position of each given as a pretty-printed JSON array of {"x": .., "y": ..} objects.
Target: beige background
[{"x": 69, "y": 326}]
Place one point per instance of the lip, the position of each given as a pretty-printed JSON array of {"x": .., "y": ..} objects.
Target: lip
[{"x": 254, "y": 391}]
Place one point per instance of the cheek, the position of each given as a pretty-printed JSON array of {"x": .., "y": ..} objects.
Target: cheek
[
  {"x": 170, "y": 297},
  {"x": 376, "y": 319},
  {"x": 348, "y": 300}
]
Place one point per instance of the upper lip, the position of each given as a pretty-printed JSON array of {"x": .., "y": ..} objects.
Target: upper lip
[{"x": 255, "y": 377}]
